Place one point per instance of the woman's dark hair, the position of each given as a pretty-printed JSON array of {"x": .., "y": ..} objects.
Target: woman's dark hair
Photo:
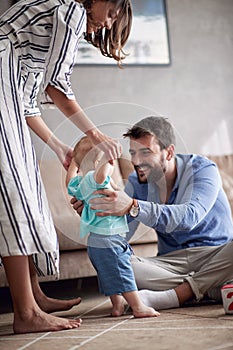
[
  {"x": 157, "y": 126},
  {"x": 111, "y": 41}
]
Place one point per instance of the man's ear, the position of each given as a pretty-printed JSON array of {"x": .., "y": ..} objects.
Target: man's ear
[{"x": 170, "y": 151}]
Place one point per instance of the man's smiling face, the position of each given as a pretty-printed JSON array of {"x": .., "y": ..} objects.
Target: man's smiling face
[{"x": 148, "y": 159}]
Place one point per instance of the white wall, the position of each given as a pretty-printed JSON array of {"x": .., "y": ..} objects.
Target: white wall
[
  {"x": 195, "y": 92},
  {"x": 4, "y": 5}
]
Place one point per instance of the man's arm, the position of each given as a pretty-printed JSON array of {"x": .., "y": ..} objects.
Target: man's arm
[
  {"x": 195, "y": 202},
  {"x": 113, "y": 202}
]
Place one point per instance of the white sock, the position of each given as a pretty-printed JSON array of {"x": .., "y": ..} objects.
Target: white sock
[{"x": 159, "y": 299}]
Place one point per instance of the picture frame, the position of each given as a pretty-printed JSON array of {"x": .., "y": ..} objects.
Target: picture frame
[{"x": 148, "y": 43}]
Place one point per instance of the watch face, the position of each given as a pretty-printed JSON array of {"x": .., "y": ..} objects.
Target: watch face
[{"x": 134, "y": 212}]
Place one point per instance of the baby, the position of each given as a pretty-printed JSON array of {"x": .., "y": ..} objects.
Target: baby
[{"x": 107, "y": 246}]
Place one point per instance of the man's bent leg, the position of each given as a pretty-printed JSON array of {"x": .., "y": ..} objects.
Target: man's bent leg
[
  {"x": 184, "y": 293},
  {"x": 154, "y": 274},
  {"x": 162, "y": 280},
  {"x": 204, "y": 268},
  {"x": 215, "y": 271}
]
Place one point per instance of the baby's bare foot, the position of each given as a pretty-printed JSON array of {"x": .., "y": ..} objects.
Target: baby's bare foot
[
  {"x": 145, "y": 311},
  {"x": 39, "y": 321},
  {"x": 118, "y": 305},
  {"x": 118, "y": 310}
]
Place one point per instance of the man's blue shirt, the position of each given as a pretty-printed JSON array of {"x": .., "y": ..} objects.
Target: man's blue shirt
[{"x": 197, "y": 213}]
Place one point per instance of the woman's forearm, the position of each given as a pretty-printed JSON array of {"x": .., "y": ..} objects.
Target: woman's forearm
[
  {"x": 38, "y": 126},
  {"x": 72, "y": 110},
  {"x": 63, "y": 152}
]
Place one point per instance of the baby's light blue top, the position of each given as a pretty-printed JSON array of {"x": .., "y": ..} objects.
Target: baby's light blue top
[{"x": 82, "y": 188}]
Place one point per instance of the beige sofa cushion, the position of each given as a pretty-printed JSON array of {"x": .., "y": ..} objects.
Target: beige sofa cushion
[
  {"x": 225, "y": 166},
  {"x": 65, "y": 219},
  {"x": 126, "y": 167}
]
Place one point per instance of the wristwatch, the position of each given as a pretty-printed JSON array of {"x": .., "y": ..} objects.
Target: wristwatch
[{"x": 134, "y": 210}]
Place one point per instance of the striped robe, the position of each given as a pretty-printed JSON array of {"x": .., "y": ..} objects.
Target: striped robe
[{"x": 38, "y": 44}]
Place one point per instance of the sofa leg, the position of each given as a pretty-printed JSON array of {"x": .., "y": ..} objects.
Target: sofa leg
[{"x": 79, "y": 283}]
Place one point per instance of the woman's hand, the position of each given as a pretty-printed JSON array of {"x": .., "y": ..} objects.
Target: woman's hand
[
  {"x": 74, "y": 112},
  {"x": 112, "y": 148},
  {"x": 113, "y": 202},
  {"x": 64, "y": 154},
  {"x": 39, "y": 127}
]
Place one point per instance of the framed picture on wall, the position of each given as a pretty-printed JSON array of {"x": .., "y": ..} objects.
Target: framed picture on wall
[{"x": 148, "y": 43}]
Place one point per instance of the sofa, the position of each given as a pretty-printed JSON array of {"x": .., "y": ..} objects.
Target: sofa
[{"x": 74, "y": 261}]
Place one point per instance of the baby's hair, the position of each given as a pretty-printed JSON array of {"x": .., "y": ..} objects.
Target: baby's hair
[{"x": 84, "y": 148}]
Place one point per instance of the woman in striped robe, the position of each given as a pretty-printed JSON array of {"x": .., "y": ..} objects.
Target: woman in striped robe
[{"x": 38, "y": 43}]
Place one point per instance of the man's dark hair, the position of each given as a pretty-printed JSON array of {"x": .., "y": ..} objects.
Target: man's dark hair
[{"x": 157, "y": 126}]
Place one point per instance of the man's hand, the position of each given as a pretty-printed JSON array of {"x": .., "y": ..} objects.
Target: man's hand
[
  {"x": 113, "y": 202},
  {"x": 77, "y": 205}
]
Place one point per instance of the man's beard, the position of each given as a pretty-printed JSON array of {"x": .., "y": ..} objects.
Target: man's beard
[{"x": 155, "y": 174}]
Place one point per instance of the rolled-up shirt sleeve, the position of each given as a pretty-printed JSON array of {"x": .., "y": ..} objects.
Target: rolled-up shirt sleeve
[
  {"x": 31, "y": 82},
  {"x": 68, "y": 28}
]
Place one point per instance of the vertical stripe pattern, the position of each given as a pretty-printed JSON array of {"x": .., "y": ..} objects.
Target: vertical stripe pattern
[{"x": 38, "y": 42}]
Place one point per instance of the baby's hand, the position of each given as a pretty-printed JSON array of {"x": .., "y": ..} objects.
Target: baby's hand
[{"x": 71, "y": 171}]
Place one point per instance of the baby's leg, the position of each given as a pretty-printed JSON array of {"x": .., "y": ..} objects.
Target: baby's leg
[
  {"x": 118, "y": 307},
  {"x": 139, "y": 309}
]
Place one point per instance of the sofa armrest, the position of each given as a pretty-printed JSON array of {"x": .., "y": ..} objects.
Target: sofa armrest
[{"x": 225, "y": 166}]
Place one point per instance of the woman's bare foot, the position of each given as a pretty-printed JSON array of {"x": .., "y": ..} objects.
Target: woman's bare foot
[
  {"x": 145, "y": 311},
  {"x": 52, "y": 305},
  {"x": 39, "y": 321},
  {"x": 45, "y": 303}
]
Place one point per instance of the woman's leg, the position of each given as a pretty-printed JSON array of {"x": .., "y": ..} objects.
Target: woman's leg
[
  {"x": 45, "y": 303},
  {"x": 28, "y": 317}
]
